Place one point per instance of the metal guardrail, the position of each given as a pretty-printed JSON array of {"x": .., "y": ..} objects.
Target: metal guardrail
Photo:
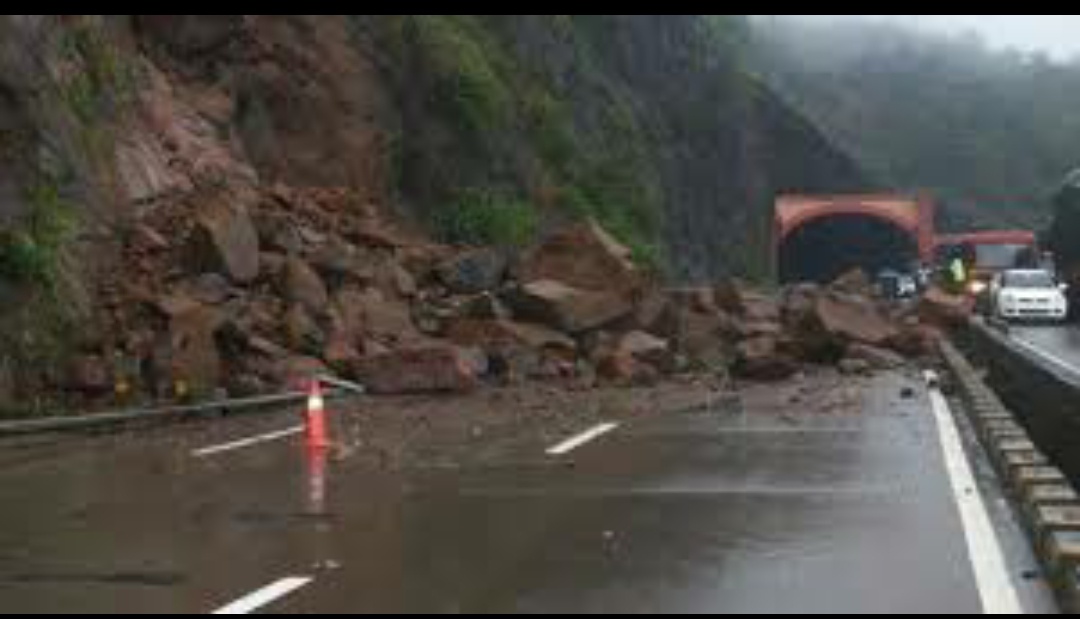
[{"x": 163, "y": 414}]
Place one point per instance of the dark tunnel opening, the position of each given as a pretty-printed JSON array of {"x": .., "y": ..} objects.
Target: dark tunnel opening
[{"x": 823, "y": 250}]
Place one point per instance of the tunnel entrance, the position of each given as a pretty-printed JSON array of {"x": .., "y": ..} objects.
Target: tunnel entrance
[{"x": 824, "y": 249}]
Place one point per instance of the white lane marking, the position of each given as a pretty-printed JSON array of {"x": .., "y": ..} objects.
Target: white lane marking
[
  {"x": 585, "y": 437},
  {"x": 996, "y": 590},
  {"x": 1031, "y": 347},
  {"x": 247, "y": 442},
  {"x": 265, "y": 596}
]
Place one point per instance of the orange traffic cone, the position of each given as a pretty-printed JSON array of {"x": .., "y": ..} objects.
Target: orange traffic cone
[{"x": 315, "y": 418}]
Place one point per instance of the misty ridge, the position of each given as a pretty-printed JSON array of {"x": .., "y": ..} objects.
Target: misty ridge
[{"x": 990, "y": 130}]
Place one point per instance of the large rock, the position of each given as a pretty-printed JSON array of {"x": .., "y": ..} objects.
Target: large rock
[
  {"x": 514, "y": 350},
  {"x": 301, "y": 285},
  {"x": 760, "y": 307},
  {"x": 302, "y": 331},
  {"x": 473, "y": 272},
  {"x": 225, "y": 241},
  {"x": 583, "y": 257},
  {"x": 761, "y": 359},
  {"x": 703, "y": 340},
  {"x": 194, "y": 360},
  {"x": 699, "y": 299},
  {"x": 918, "y": 340},
  {"x": 437, "y": 369},
  {"x": 388, "y": 320},
  {"x": 644, "y": 347},
  {"x": 497, "y": 334},
  {"x": 632, "y": 358},
  {"x": 728, "y": 296},
  {"x": 854, "y": 319},
  {"x": 876, "y": 358},
  {"x": 90, "y": 375},
  {"x": 296, "y": 372},
  {"x": 855, "y": 281},
  {"x": 573, "y": 310},
  {"x": 939, "y": 308},
  {"x": 8, "y": 397}
]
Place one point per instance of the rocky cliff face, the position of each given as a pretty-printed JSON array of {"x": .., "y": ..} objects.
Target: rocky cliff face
[{"x": 155, "y": 166}]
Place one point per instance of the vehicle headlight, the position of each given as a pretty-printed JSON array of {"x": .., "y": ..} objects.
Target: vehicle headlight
[{"x": 977, "y": 287}]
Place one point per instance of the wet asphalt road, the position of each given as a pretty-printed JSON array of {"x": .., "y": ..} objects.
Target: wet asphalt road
[
  {"x": 1058, "y": 345},
  {"x": 764, "y": 511}
]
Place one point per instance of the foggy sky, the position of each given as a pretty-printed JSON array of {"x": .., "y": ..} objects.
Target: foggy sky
[{"x": 1057, "y": 35}]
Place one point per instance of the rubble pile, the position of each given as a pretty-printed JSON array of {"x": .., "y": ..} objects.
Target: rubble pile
[{"x": 256, "y": 292}]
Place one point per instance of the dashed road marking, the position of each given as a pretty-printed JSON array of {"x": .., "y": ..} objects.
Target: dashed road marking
[
  {"x": 582, "y": 439},
  {"x": 265, "y": 596},
  {"x": 269, "y": 437}
]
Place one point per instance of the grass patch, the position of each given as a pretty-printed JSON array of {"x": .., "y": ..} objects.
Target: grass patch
[
  {"x": 33, "y": 253},
  {"x": 467, "y": 79},
  {"x": 483, "y": 217}
]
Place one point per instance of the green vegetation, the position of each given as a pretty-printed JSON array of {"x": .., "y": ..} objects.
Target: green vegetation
[
  {"x": 455, "y": 49},
  {"x": 33, "y": 254},
  {"x": 506, "y": 107},
  {"x": 484, "y": 217}
]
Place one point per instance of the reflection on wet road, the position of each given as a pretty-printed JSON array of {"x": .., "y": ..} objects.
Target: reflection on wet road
[
  {"x": 1057, "y": 344},
  {"x": 778, "y": 510}
]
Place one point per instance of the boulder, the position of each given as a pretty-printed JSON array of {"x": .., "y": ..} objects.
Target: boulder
[
  {"x": 195, "y": 365},
  {"x": 514, "y": 350},
  {"x": 90, "y": 375},
  {"x": 855, "y": 281},
  {"x": 277, "y": 232},
  {"x": 296, "y": 372},
  {"x": 700, "y": 299},
  {"x": 703, "y": 339},
  {"x": 761, "y": 359},
  {"x": 224, "y": 241},
  {"x": 145, "y": 238},
  {"x": 433, "y": 369},
  {"x": 209, "y": 289},
  {"x": 497, "y": 334},
  {"x": 585, "y": 257},
  {"x": 940, "y": 308},
  {"x": 8, "y": 398},
  {"x": 760, "y": 307},
  {"x": 473, "y": 272},
  {"x": 302, "y": 332},
  {"x": 853, "y": 319},
  {"x": 917, "y": 340},
  {"x": 876, "y": 358},
  {"x": 645, "y": 348},
  {"x": 622, "y": 368},
  {"x": 572, "y": 310},
  {"x": 728, "y": 296},
  {"x": 485, "y": 306},
  {"x": 653, "y": 313},
  {"x": 386, "y": 319},
  {"x": 301, "y": 285},
  {"x": 854, "y": 367}
]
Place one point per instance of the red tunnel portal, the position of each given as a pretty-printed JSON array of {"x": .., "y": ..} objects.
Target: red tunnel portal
[{"x": 891, "y": 216}]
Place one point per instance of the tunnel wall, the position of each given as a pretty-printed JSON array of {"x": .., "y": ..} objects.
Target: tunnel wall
[{"x": 1045, "y": 400}]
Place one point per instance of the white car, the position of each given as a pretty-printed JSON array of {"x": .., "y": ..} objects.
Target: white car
[{"x": 1029, "y": 295}]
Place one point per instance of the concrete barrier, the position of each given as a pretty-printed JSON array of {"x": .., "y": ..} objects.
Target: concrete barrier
[
  {"x": 1045, "y": 400},
  {"x": 1020, "y": 443}
]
